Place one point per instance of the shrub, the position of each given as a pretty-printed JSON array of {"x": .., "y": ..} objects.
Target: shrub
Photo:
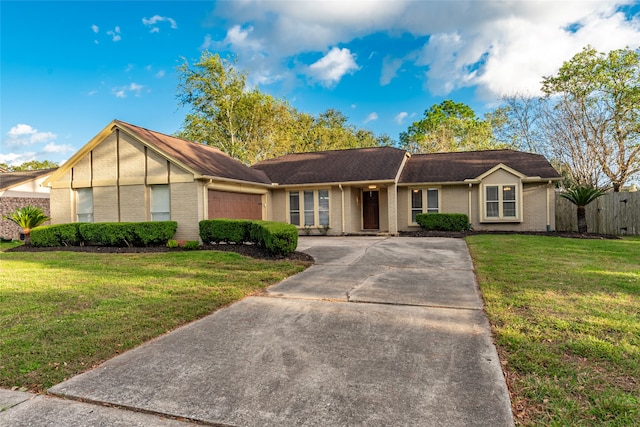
[
  {"x": 278, "y": 238},
  {"x": 443, "y": 222},
  {"x": 172, "y": 244},
  {"x": 128, "y": 233},
  {"x": 224, "y": 230},
  {"x": 191, "y": 245},
  {"x": 56, "y": 235}
]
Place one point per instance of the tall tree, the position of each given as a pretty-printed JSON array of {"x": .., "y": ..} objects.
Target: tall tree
[
  {"x": 250, "y": 125},
  {"x": 595, "y": 114},
  {"x": 449, "y": 126}
]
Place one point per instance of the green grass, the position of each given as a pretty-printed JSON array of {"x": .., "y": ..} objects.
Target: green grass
[
  {"x": 566, "y": 319},
  {"x": 62, "y": 313}
]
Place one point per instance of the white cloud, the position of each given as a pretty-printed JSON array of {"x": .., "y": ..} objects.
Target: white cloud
[
  {"x": 390, "y": 69},
  {"x": 53, "y": 148},
  {"x": 494, "y": 46},
  {"x": 371, "y": 117},
  {"x": 151, "y": 22},
  {"x": 95, "y": 28},
  {"x": 399, "y": 118},
  {"x": 15, "y": 159},
  {"x": 207, "y": 43},
  {"x": 160, "y": 74},
  {"x": 330, "y": 69},
  {"x": 115, "y": 34},
  {"x": 124, "y": 91},
  {"x": 23, "y": 135}
]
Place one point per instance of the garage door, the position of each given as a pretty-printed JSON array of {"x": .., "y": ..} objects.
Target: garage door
[{"x": 225, "y": 204}]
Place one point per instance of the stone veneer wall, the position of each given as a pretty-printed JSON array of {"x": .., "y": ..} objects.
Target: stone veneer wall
[{"x": 8, "y": 229}]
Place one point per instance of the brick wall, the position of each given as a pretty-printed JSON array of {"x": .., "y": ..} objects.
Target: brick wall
[{"x": 9, "y": 229}]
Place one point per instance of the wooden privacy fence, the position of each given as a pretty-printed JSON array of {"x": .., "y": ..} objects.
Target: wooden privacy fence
[{"x": 617, "y": 214}]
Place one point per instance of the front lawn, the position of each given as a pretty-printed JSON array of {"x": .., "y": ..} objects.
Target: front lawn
[
  {"x": 566, "y": 319},
  {"x": 62, "y": 313}
]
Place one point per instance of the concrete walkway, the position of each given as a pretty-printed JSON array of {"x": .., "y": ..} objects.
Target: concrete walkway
[{"x": 379, "y": 332}]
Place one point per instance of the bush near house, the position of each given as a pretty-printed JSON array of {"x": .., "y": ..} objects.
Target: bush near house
[
  {"x": 106, "y": 234},
  {"x": 56, "y": 235},
  {"x": 278, "y": 238},
  {"x": 225, "y": 230},
  {"x": 443, "y": 222}
]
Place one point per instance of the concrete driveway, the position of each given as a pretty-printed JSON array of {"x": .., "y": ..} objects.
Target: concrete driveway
[{"x": 379, "y": 332}]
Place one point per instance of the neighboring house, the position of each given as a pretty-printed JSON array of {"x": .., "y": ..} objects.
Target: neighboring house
[
  {"x": 127, "y": 173},
  {"x": 20, "y": 189}
]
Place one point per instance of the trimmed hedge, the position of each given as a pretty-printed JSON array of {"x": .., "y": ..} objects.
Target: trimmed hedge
[
  {"x": 443, "y": 222},
  {"x": 225, "y": 230},
  {"x": 57, "y": 235},
  {"x": 277, "y": 237},
  {"x": 105, "y": 234}
]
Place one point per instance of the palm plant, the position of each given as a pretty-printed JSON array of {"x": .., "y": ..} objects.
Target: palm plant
[
  {"x": 27, "y": 218},
  {"x": 581, "y": 196}
]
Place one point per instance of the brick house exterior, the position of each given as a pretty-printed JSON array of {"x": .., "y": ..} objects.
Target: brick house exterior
[{"x": 128, "y": 173}]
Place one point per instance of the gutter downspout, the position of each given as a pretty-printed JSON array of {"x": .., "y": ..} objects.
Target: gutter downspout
[
  {"x": 205, "y": 200},
  {"x": 342, "y": 208},
  {"x": 548, "y": 208}
]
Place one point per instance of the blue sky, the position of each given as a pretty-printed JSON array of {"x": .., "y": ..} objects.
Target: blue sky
[{"x": 68, "y": 68}]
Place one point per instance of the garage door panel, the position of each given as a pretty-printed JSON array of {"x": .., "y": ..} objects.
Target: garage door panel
[{"x": 226, "y": 204}]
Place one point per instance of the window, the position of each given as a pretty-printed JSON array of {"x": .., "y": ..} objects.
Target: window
[
  {"x": 500, "y": 202},
  {"x": 294, "y": 208},
  {"x": 159, "y": 202},
  {"x": 314, "y": 210},
  {"x": 309, "y": 214},
  {"x": 84, "y": 204},
  {"x": 323, "y": 207},
  {"x": 424, "y": 201}
]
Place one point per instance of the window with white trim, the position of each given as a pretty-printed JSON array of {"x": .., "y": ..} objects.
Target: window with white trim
[
  {"x": 424, "y": 200},
  {"x": 159, "y": 202},
  {"x": 84, "y": 205},
  {"x": 500, "y": 202},
  {"x": 311, "y": 211}
]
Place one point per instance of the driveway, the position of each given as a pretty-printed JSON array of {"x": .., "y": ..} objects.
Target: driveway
[{"x": 379, "y": 332}]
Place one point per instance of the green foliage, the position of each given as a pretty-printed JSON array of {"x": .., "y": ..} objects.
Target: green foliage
[
  {"x": 582, "y": 196},
  {"x": 450, "y": 126},
  {"x": 172, "y": 244},
  {"x": 224, "y": 230},
  {"x": 57, "y": 235},
  {"x": 251, "y": 126},
  {"x": 443, "y": 222},
  {"x": 27, "y": 218},
  {"x": 597, "y": 114},
  {"x": 278, "y": 238},
  {"x": 31, "y": 165},
  {"x": 105, "y": 233},
  {"x": 128, "y": 233},
  {"x": 191, "y": 245}
]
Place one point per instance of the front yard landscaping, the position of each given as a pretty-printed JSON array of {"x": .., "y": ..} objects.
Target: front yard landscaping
[
  {"x": 566, "y": 318},
  {"x": 62, "y": 313}
]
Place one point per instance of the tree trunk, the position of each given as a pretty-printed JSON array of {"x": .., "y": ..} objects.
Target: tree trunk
[{"x": 582, "y": 220}]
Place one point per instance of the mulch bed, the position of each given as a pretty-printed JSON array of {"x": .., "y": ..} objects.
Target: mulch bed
[
  {"x": 257, "y": 252},
  {"x": 252, "y": 251},
  {"x": 463, "y": 234}
]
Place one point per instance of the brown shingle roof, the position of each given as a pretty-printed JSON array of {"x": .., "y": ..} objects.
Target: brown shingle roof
[
  {"x": 11, "y": 179},
  {"x": 456, "y": 167},
  {"x": 360, "y": 164},
  {"x": 203, "y": 159}
]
